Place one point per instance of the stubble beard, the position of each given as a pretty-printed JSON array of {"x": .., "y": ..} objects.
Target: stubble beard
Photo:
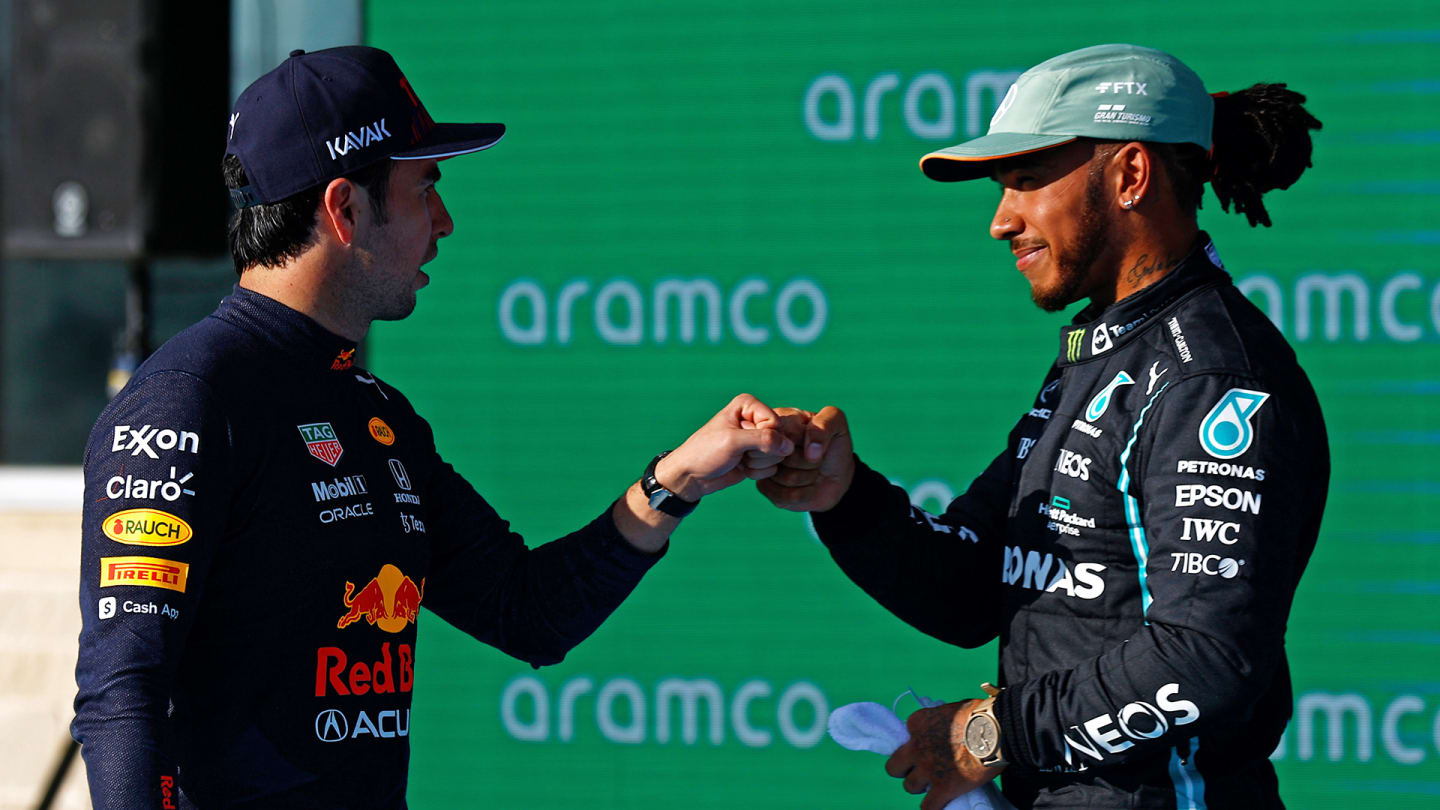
[{"x": 1074, "y": 266}]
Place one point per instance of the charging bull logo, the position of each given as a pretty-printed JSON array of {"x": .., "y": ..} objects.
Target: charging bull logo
[
  {"x": 343, "y": 360},
  {"x": 390, "y": 601}
]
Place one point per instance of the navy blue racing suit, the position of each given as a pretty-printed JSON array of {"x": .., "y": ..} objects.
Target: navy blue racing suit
[
  {"x": 263, "y": 520},
  {"x": 1135, "y": 548}
]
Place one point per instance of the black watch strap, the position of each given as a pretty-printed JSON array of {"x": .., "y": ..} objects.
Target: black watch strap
[{"x": 662, "y": 499}]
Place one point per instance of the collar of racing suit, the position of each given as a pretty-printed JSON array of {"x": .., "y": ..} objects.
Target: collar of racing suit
[
  {"x": 311, "y": 344},
  {"x": 1092, "y": 334}
]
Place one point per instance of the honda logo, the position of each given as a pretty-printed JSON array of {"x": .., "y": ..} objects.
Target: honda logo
[{"x": 402, "y": 479}]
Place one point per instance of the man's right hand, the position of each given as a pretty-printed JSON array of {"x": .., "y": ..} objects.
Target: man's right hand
[{"x": 818, "y": 473}]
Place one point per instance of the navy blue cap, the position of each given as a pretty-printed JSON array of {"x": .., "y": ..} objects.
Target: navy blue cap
[{"x": 322, "y": 115}]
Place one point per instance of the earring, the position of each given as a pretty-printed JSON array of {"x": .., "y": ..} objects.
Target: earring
[{"x": 1127, "y": 204}]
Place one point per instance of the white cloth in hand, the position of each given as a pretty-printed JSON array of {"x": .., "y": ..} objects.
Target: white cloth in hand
[{"x": 871, "y": 727}]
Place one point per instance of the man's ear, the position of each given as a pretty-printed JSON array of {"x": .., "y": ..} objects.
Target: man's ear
[
  {"x": 338, "y": 209},
  {"x": 1135, "y": 166}
]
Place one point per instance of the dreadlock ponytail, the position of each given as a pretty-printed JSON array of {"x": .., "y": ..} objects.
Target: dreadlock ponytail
[{"x": 1261, "y": 142}]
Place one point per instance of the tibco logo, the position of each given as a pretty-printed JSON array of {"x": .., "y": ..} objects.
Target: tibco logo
[
  {"x": 1191, "y": 562},
  {"x": 927, "y": 104},
  {"x": 801, "y": 728},
  {"x": 1139, "y": 720},
  {"x": 799, "y": 311}
]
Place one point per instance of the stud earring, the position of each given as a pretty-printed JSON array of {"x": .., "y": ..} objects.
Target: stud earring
[{"x": 1127, "y": 204}]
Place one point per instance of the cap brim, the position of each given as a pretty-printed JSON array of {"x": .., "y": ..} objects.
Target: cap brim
[
  {"x": 449, "y": 140},
  {"x": 971, "y": 160}
]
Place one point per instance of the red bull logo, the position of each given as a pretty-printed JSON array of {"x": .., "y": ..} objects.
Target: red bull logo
[
  {"x": 343, "y": 360},
  {"x": 389, "y": 601}
]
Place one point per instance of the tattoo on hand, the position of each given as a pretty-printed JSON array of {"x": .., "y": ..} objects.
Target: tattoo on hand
[{"x": 1146, "y": 266}]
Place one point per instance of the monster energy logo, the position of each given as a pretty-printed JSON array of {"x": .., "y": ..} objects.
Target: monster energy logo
[{"x": 1073, "y": 342}]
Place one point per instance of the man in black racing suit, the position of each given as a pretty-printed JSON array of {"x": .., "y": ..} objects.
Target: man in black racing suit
[
  {"x": 264, "y": 518},
  {"x": 1136, "y": 546}
]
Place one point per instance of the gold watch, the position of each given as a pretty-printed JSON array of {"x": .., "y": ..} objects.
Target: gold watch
[{"x": 982, "y": 731}]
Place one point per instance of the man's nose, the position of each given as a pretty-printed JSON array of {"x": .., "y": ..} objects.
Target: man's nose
[
  {"x": 1006, "y": 224},
  {"x": 441, "y": 225}
]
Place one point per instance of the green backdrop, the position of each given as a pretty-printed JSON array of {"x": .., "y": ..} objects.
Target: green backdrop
[{"x": 702, "y": 198}]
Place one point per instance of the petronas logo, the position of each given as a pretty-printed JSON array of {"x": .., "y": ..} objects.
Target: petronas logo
[
  {"x": 1225, "y": 432},
  {"x": 1073, "y": 342}
]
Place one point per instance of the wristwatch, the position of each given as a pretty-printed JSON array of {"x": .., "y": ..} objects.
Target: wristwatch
[
  {"x": 982, "y": 732},
  {"x": 662, "y": 499}
]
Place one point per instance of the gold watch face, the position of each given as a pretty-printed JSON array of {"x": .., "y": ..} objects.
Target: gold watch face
[{"x": 982, "y": 736}]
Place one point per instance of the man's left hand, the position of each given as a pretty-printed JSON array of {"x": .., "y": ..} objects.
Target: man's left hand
[{"x": 935, "y": 761}]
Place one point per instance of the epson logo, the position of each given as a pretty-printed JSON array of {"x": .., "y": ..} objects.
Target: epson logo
[
  {"x": 359, "y": 139},
  {"x": 1139, "y": 720},
  {"x": 1032, "y": 570},
  {"x": 1204, "y": 530},
  {"x": 347, "y": 487},
  {"x": 1073, "y": 464},
  {"x": 1236, "y": 500}
]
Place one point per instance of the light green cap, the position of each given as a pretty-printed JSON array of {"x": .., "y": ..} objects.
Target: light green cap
[{"x": 1110, "y": 92}]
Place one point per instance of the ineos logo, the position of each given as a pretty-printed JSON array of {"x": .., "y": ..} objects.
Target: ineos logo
[{"x": 331, "y": 726}]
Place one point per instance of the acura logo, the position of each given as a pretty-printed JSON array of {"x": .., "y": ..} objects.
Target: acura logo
[{"x": 331, "y": 726}]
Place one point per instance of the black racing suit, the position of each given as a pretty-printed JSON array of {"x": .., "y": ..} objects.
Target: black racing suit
[
  {"x": 262, "y": 522},
  {"x": 1135, "y": 548}
]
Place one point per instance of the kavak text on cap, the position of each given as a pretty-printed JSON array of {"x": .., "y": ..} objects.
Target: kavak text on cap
[{"x": 324, "y": 114}]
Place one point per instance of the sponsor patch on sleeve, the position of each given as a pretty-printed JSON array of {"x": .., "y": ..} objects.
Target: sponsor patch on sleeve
[
  {"x": 146, "y": 572},
  {"x": 146, "y": 527}
]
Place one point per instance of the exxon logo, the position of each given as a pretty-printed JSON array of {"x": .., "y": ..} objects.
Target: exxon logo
[{"x": 359, "y": 139}]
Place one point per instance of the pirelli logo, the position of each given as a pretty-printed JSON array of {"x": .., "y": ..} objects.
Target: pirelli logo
[
  {"x": 1073, "y": 342},
  {"x": 146, "y": 572}
]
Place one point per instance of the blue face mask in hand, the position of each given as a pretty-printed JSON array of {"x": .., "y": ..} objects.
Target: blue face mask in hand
[{"x": 868, "y": 726}]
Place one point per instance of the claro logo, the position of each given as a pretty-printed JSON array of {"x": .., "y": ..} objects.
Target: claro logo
[
  {"x": 1140, "y": 720},
  {"x": 675, "y": 309}
]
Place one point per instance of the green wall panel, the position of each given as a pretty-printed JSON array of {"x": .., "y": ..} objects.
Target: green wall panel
[{"x": 664, "y": 148}]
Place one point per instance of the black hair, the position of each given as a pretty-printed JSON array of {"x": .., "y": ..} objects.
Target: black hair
[
  {"x": 1261, "y": 143},
  {"x": 272, "y": 234}
]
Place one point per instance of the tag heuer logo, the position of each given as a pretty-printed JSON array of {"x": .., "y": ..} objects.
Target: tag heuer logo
[{"x": 321, "y": 442}]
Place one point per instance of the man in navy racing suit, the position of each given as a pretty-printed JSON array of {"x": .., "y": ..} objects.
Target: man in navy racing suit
[
  {"x": 1137, "y": 544},
  {"x": 264, "y": 518}
]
